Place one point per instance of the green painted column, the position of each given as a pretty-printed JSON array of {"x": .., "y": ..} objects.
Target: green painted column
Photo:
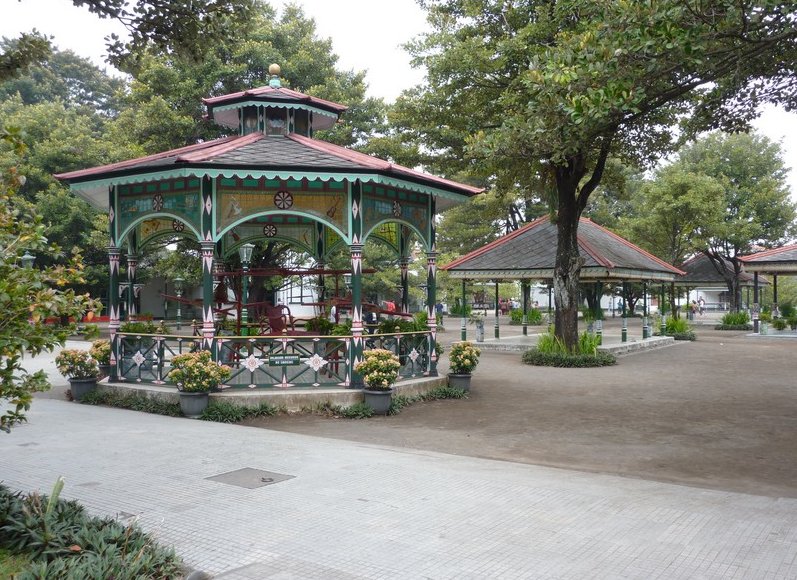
[
  {"x": 497, "y": 312},
  {"x": 645, "y": 327},
  {"x": 132, "y": 266},
  {"x": 756, "y": 304},
  {"x": 663, "y": 328},
  {"x": 524, "y": 288},
  {"x": 431, "y": 316},
  {"x": 356, "y": 249},
  {"x": 550, "y": 312},
  {"x": 113, "y": 308},
  {"x": 463, "y": 330},
  {"x": 208, "y": 247},
  {"x": 624, "y": 335},
  {"x": 405, "y": 284}
]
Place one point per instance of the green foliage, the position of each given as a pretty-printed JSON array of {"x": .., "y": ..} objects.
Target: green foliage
[
  {"x": 101, "y": 351},
  {"x": 679, "y": 329},
  {"x": 139, "y": 327},
  {"x": 534, "y": 316},
  {"x": 463, "y": 357},
  {"x": 11, "y": 564},
  {"x": 394, "y": 325},
  {"x": 779, "y": 324},
  {"x": 537, "y": 357},
  {"x": 379, "y": 369},
  {"x": 319, "y": 325},
  {"x": 132, "y": 401},
  {"x": 196, "y": 372},
  {"x": 456, "y": 310},
  {"x": 765, "y": 316},
  {"x": 399, "y": 402},
  {"x": 77, "y": 364},
  {"x": 787, "y": 310},
  {"x": 356, "y": 411},
  {"x": 735, "y": 319},
  {"x": 226, "y": 412},
  {"x": 63, "y": 541}
]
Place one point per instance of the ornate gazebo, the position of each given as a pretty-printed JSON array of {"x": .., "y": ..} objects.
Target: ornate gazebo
[{"x": 269, "y": 180}]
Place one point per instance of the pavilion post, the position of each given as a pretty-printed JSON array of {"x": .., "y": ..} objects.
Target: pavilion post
[
  {"x": 524, "y": 285},
  {"x": 645, "y": 327},
  {"x": 775, "y": 310},
  {"x": 497, "y": 311},
  {"x": 463, "y": 329},
  {"x": 208, "y": 326},
  {"x": 356, "y": 313},
  {"x": 550, "y": 312},
  {"x": 132, "y": 266},
  {"x": 431, "y": 315},
  {"x": 113, "y": 308},
  {"x": 756, "y": 305},
  {"x": 663, "y": 328},
  {"x": 624, "y": 334},
  {"x": 405, "y": 284}
]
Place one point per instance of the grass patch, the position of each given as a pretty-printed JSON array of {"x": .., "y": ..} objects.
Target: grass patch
[
  {"x": 398, "y": 402},
  {"x": 568, "y": 360},
  {"x": 132, "y": 401},
  {"x": 53, "y": 538}
]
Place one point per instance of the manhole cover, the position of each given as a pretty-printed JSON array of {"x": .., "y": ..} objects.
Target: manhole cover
[{"x": 250, "y": 478}]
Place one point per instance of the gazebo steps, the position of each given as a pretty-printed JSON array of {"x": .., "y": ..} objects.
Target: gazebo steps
[{"x": 288, "y": 399}]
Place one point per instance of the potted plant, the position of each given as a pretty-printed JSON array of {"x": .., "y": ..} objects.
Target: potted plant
[
  {"x": 195, "y": 375},
  {"x": 463, "y": 358},
  {"x": 80, "y": 368},
  {"x": 101, "y": 352},
  {"x": 379, "y": 370}
]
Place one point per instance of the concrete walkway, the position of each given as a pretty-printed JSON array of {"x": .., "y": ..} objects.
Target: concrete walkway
[{"x": 354, "y": 510}]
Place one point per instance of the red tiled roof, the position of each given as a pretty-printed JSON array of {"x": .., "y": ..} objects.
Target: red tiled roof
[
  {"x": 378, "y": 164},
  {"x": 278, "y": 92},
  {"x": 140, "y": 160}
]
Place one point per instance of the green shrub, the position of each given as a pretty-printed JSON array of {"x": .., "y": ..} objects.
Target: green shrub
[
  {"x": 534, "y": 316},
  {"x": 394, "y": 325},
  {"x": 319, "y": 325},
  {"x": 456, "y": 310},
  {"x": 735, "y": 319},
  {"x": 63, "y": 541},
  {"x": 132, "y": 401},
  {"x": 226, "y": 412},
  {"x": 677, "y": 325},
  {"x": 733, "y": 327},
  {"x": 398, "y": 402},
  {"x": 765, "y": 316},
  {"x": 779, "y": 324},
  {"x": 566, "y": 360},
  {"x": 792, "y": 320},
  {"x": 139, "y": 327}
]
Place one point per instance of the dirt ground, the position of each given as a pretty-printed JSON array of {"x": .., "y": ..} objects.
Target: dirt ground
[{"x": 719, "y": 413}]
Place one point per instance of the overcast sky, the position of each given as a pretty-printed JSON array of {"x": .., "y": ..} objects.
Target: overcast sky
[{"x": 366, "y": 34}]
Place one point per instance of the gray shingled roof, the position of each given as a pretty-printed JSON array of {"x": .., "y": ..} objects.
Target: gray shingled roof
[
  {"x": 279, "y": 151},
  {"x": 700, "y": 270},
  {"x": 530, "y": 252},
  {"x": 782, "y": 260}
]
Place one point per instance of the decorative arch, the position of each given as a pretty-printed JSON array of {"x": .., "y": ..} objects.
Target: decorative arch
[
  {"x": 412, "y": 227},
  {"x": 267, "y": 213},
  {"x": 188, "y": 227},
  {"x": 230, "y": 249}
]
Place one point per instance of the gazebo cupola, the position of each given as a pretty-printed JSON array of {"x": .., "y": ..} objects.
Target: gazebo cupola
[{"x": 273, "y": 110}]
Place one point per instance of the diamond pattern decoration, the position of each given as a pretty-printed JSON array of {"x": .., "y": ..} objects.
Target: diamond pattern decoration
[
  {"x": 252, "y": 363},
  {"x": 139, "y": 358},
  {"x": 208, "y": 205},
  {"x": 355, "y": 209},
  {"x": 111, "y": 214},
  {"x": 396, "y": 209},
  {"x": 316, "y": 362},
  {"x": 414, "y": 354}
]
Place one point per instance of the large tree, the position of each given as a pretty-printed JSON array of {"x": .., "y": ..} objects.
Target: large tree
[
  {"x": 755, "y": 208},
  {"x": 544, "y": 92}
]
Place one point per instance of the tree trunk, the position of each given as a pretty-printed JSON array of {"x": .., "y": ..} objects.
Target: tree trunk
[{"x": 567, "y": 269}]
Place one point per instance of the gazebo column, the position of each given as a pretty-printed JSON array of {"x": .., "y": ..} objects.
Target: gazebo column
[
  {"x": 755, "y": 302},
  {"x": 405, "y": 284},
  {"x": 463, "y": 329},
  {"x": 113, "y": 308},
  {"x": 431, "y": 301},
  {"x": 208, "y": 326},
  {"x": 524, "y": 288},
  {"x": 624, "y": 334},
  {"x": 645, "y": 327},
  {"x": 497, "y": 312},
  {"x": 775, "y": 310},
  {"x": 550, "y": 314},
  {"x": 132, "y": 266},
  {"x": 356, "y": 313}
]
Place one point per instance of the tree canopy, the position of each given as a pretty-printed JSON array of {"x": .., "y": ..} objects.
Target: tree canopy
[{"x": 538, "y": 95}]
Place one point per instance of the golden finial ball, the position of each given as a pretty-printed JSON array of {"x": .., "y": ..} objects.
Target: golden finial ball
[{"x": 274, "y": 69}]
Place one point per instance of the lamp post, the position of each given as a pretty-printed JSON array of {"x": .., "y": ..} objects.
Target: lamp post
[
  {"x": 27, "y": 260},
  {"x": 245, "y": 253},
  {"x": 178, "y": 289}
]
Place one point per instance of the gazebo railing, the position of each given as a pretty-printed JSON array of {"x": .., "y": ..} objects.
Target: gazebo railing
[{"x": 268, "y": 361}]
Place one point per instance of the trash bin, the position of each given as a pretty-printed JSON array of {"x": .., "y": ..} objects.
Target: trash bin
[{"x": 480, "y": 331}]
